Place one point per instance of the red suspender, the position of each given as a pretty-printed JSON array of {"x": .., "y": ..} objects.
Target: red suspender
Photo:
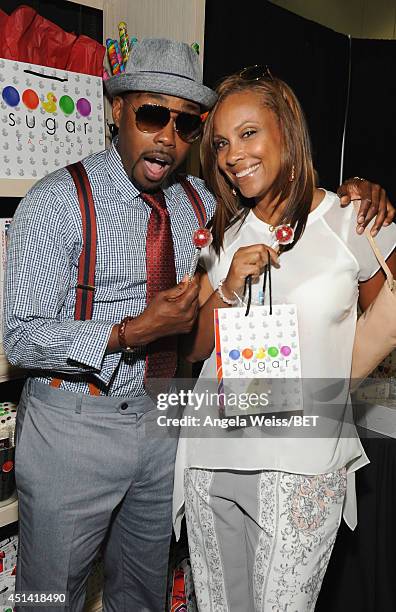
[
  {"x": 195, "y": 199},
  {"x": 87, "y": 261}
]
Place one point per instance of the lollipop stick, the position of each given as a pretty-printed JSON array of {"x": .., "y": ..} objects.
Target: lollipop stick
[{"x": 194, "y": 263}]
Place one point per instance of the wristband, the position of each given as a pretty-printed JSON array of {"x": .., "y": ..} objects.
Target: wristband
[
  {"x": 121, "y": 335},
  {"x": 225, "y": 299}
]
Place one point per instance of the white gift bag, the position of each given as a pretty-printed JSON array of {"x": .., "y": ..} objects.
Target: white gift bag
[
  {"x": 258, "y": 355},
  {"x": 49, "y": 118}
]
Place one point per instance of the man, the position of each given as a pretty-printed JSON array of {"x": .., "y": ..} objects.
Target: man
[{"x": 86, "y": 469}]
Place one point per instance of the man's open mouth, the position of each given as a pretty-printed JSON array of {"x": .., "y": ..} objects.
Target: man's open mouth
[{"x": 156, "y": 166}]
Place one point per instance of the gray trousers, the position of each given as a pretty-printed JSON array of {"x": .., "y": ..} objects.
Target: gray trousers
[
  {"x": 90, "y": 470},
  {"x": 261, "y": 541}
]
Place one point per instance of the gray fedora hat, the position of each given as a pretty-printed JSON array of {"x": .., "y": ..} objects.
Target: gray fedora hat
[{"x": 159, "y": 65}]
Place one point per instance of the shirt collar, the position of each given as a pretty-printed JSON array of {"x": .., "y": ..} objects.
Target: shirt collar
[
  {"x": 126, "y": 189},
  {"x": 117, "y": 174}
]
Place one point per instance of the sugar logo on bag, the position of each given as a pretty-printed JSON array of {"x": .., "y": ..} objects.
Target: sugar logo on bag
[
  {"x": 261, "y": 358},
  {"x": 49, "y": 118}
]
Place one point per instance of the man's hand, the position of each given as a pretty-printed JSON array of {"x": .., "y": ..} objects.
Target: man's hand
[
  {"x": 374, "y": 202},
  {"x": 170, "y": 312}
]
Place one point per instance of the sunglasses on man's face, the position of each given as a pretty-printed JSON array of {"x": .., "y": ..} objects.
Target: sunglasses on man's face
[
  {"x": 255, "y": 73},
  {"x": 151, "y": 118}
]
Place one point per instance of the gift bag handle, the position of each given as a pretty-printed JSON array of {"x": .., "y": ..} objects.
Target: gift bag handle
[{"x": 248, "y": 285}]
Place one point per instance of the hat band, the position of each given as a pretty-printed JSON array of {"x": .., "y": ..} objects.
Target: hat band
[{"x": 180, "y": 76}]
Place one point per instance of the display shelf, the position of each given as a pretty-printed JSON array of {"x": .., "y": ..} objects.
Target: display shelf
[{"x": 9, "y": 513}]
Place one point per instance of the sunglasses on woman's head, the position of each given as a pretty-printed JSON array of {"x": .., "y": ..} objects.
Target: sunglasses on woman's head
[
  {"x": 151, "y": 118},
  {"x": 255, "y": 73}
]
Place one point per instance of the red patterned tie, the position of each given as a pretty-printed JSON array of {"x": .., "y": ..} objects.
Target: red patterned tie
[{"x": 161, "y": 357}]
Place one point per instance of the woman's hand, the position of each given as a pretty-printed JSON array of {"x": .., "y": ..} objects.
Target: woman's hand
[
  {"x": 374, "y": 202},
  {"x": 247, "y": 261}
]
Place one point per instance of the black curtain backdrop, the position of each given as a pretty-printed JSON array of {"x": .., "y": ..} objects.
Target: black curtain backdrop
[
  {"x": 312, "y": 59},
  {"x": 361, "y": 573},
  {"x": 371, "y": 131}
]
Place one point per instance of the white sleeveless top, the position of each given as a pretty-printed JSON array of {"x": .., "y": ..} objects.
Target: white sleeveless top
[{"x": 320, "y": 275}]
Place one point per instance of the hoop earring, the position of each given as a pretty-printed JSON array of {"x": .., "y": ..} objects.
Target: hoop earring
[{"x": 292, "y": 175}]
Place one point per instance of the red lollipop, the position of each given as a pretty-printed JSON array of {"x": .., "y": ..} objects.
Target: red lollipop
[
  {"x": 202, "y": 237},
  {"x": 284, "y": 234}
]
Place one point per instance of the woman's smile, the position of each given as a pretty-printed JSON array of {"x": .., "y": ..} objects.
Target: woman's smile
[{"x": 248, "y": 171}]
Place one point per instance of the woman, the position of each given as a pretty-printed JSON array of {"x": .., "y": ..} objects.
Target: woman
[{"x": 263, "y": 508}]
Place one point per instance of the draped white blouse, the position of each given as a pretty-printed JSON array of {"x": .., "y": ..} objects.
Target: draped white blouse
[{"x": 321, "y": 276}]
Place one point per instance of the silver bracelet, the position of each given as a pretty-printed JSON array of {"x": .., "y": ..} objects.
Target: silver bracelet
[{"x": 225, "y": 299}]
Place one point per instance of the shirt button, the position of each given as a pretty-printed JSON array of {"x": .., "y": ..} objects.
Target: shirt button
[{"x": 124, "y": 406}]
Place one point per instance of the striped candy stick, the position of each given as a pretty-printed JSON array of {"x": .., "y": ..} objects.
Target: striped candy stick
[
  {"x": 119, "y": 56},
  {"x": 112, "y": 54},
  {"x": 124, "y": 40}
]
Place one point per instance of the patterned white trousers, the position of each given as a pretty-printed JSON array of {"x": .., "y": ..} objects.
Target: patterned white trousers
[{"x": 261, "y": 541}]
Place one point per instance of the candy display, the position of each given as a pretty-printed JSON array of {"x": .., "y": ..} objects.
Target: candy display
[
  {"x": 119, "y": 52},
  {"x": 7, "y": 424},
  {"x": 201, "y": 238}
]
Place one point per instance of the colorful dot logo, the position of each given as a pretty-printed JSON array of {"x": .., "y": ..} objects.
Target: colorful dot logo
[
  {"x": 49, "y": 102},
  {"x": 262, "y": 352}
]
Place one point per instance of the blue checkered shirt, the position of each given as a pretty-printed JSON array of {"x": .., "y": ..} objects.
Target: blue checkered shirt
[{"x": 45, "y": 243}]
